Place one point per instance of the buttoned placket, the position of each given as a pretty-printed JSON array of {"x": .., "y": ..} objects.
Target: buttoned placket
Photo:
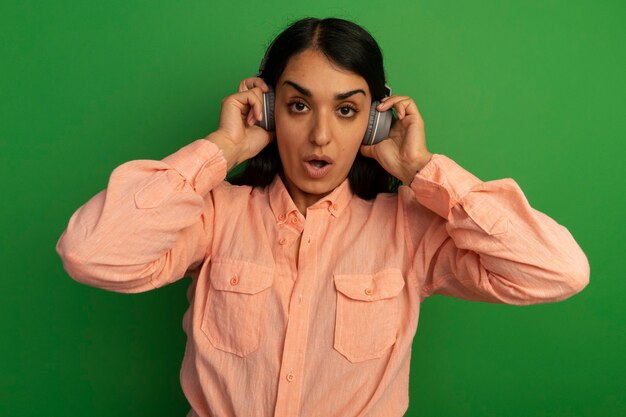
[{"x": 296, "y": 337}]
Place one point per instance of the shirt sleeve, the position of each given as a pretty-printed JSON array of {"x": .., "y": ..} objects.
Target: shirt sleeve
[
  {"x": 150, "y": 226},
  {"x": 486, "y": 243}
]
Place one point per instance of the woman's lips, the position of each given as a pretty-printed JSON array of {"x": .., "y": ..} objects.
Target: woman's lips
[{"x": 316, "y": 168}]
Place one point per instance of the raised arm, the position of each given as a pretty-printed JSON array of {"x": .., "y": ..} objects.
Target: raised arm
[
  {"x": 149, "y": 226},
  {"x": 153, "y": 222},
  {"x": 487, "y": 243}
]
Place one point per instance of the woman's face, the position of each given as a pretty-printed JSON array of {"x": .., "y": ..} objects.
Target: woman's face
[{"x": 321, "y": 115}]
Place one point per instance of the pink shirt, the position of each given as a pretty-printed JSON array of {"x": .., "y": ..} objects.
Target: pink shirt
[{"x": 312, "y": 316}]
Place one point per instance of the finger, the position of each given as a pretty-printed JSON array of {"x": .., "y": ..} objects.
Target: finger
[
  {"x": 255, "y": 112},
  {"x": 391, "y": 102},
  {"x": 252, "y": 82},
  {"x": 246, "y": 84},
  {"x": 249, "y": 103},
  {"x": 250, "y": 119},
  {"x": 397, "y": 103},
  {"x": 387, "y": 102},
  {"x": 255, "y": 102},
  {"x": 410, "y": 109},
  {"x": 400, "y": 111},
  {"x": 404, "y": 106},
  {"x": 367, "y": 151},
  {"x": 262, "y": 84},
  {"x": 258, "y": 103}
]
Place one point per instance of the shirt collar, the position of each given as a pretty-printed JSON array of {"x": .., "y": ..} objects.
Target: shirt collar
[{"x": 282, "y": 205}]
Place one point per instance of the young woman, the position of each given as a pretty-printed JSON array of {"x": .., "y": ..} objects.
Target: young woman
[{"x": 308, "y": 270}]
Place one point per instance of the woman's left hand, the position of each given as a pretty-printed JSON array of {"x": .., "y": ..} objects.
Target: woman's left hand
[{"x": 404, "y": 153}]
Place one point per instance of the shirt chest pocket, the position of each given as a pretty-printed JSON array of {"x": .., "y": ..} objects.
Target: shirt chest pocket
[
  {"x": 366, "y": 320},
  {"x": 236, "y": 305}
]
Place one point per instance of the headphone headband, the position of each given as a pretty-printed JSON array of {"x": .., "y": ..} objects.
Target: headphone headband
[{"x": 264, "y": 60}]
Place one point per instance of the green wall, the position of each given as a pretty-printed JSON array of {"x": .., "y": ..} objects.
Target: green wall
[{"x": 532, "y": 90}]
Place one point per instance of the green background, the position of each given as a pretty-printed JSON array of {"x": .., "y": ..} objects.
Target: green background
[{"x": 533, "y": 90}]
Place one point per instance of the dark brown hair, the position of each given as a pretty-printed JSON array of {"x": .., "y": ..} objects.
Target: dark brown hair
[{"x": 350, "y": 47}]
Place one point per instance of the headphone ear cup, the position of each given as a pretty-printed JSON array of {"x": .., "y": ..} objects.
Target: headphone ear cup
[
  {"x": 267, "y": 120},
  {"x": 378, "y": 125},
  {"x": 367, "y": 138}
]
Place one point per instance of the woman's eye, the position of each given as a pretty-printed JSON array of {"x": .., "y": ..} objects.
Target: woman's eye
[
  {"x": 347, "y": 111},
  {"x": 297, "y": 107}
]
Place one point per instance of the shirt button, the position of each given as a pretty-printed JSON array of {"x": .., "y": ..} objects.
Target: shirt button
[
  {"x": 234, "y": 280},
  {"x": 290, "y": 377},
  {"x": 294, "y": 220},
  {"x": 335, "y": 206},
  {"x": 282, "y": 241},
  {"x": 369, "y": 291}
]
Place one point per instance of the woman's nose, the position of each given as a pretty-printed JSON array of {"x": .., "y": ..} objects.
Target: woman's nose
[{"x": 321, "y": 130}]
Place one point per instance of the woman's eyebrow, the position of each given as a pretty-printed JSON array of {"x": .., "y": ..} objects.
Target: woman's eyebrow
[
  {"x": 338, "y": 96},
  {"x": 347, "y": 94}
]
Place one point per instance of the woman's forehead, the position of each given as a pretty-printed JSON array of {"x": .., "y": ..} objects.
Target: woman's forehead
[{"x": 313, "y": 71}]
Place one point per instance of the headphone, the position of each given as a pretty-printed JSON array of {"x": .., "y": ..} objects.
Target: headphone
[{"x": 378, "y": 124}]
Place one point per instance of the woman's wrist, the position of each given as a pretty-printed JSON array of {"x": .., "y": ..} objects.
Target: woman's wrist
[
  {"x": 412, "y": 170},
  {"x": 230, "y": 151}
]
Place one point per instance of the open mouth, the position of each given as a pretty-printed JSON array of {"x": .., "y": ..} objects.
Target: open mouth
[
  {"x": 317, "y": 166},
  {"x": 318, "y": 163}
]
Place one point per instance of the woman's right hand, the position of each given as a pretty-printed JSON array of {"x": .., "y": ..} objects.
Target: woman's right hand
[{"x": 237, "y": 135}]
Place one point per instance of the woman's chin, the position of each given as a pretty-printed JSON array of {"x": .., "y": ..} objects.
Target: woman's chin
[{"x": 312, "y": 188}]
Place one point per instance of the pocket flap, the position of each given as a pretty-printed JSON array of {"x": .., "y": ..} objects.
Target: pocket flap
[
  {"x": 157, "y": 190},
  {"x": 370, "y": 287},
  {"x": 488, "y": 217},
  {"x": 239, "y": 276}
]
